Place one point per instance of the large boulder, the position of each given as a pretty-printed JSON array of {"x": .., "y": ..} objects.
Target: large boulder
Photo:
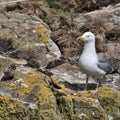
[{"x": 27, "y": 37}]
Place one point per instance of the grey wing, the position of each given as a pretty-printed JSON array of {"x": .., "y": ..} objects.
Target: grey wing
[
  {"x": 104, "y": 65},
  {"x": 102, "y": 59}
]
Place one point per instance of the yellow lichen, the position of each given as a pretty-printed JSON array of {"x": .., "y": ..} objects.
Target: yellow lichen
[
  {"x": 31, "y": 78},
  {"x": 55, "y": 80},
  {"x": 105, "y": 91},
  {"x": 68, "y": 98},
  {"x": 28, "y": 82},
  {"x": 63, "y": 90},
  {"x": 11, "y": 106},
  {"x": 109, "y": 100},
  {"x": 23, "y": 91},
  {"x": 43, "y": 94},
  {"x": 42, "y": 32},
  {"x": 4, "y": 99},
  {"x": 13, "y": 85},
  {"x": 87, "y": 94}
]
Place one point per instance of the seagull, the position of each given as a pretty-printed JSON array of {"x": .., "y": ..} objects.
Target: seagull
[{"x": 90, "y": 62}]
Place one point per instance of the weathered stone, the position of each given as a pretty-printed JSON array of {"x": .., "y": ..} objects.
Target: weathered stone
[
  {"x": 52, "y": 94},
  {"x": 89, "y": 107},
  {"x": 27, "y": 37},
  {"x": 110, "y": 102},
  {"x": 70, "y": 76},
  {"x": 30, "y": 88}
]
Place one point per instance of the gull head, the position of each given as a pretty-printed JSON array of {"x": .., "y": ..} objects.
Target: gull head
[{"x": 87, "y": 37}]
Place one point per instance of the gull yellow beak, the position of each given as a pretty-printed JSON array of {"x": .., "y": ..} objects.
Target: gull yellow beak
[{"x": 80, "y": 38}]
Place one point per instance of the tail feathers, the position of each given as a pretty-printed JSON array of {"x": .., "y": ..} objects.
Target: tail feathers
[{"x": 115, "y": 70}]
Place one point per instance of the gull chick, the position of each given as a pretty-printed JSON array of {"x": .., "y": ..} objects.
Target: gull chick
[{"x": 90, "y": 62}]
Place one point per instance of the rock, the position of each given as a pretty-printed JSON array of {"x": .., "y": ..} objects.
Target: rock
[
  {"x": 30, "y": 88},
  {"x": 34, "y": 95},
  {"x": 71, "y": 77},
  {"x": 9, "y": 72},
  {"x": 27, "y": 37},
  {"x": 111, "y": 95},
  {"x": 87, "y": 107},
  {"x": 52, "y": 91}
]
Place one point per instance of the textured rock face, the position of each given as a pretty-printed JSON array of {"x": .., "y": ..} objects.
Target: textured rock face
[
  {"x": 24, "y": 40},
  {"x": 30, "y": 94},
  {"x": 27, "y": 37},
  {"x": 31, "y": 91}
]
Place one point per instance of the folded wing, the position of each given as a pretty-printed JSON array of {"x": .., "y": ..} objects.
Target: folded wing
[{"x": 104, "y": 65}]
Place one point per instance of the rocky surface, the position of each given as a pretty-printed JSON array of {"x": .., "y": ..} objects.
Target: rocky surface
[
  {"x": 23, "y": 36},
  {"x": 39, "y": 79}
]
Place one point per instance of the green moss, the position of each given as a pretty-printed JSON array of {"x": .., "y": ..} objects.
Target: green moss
[{"x": 54, "y": 4}]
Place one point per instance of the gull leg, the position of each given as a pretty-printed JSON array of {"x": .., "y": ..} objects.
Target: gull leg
[
  {"x": 97, "y": 86},
  {"x": 96, "y": 91},
  {"x": 86, "y": 85}
]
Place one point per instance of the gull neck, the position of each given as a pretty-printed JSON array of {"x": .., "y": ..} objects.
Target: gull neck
[{"x": 89, "y": 48}]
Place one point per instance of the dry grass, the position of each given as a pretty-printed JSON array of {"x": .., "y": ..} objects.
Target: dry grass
[{"x": 64, "y": 32}]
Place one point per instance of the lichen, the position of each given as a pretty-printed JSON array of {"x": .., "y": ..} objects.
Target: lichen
[
  {"x": 11, "y": 109},
  {"x": 43, "y": 95},
  {"x": 27, "y": 83},
  {"x": 55, "y": 80},
  {"x": 109, "y": 100},
  {"x": 4, "y": 63},
  {"x": 6, "y": 34},
  {"x": 87, "y": 94},
  {"x": 42, "y": 33},
  {"x": 46, "y": 102}
]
